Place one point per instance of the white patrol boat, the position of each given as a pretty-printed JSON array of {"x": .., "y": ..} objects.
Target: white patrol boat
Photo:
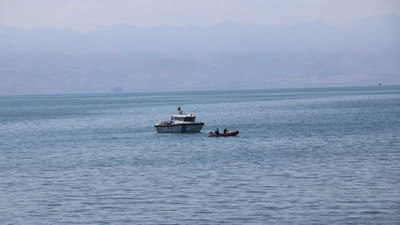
[{"x": 180, "y": 123}]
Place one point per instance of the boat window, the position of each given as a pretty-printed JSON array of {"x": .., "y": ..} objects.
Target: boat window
[{"x": 189, "y": 119}]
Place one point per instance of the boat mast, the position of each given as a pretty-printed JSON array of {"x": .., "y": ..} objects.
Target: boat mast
[{"x": 179, "y": 110}]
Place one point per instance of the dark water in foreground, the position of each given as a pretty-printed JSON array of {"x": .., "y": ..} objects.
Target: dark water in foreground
[{"x": 306, "y": 156}]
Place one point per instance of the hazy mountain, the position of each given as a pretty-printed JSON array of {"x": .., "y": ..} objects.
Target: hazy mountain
[{"x": 225, "y": 56}]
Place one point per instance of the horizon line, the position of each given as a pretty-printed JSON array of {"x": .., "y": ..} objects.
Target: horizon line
[{"x": 229, "y": 21}]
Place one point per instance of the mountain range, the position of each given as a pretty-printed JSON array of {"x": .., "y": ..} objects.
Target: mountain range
[{"x": 125, "y": 58}]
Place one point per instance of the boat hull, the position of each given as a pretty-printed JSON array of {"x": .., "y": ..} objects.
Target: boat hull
[
  {"x": 233, "y": 133},
  {"x": 180, "y": 128}
]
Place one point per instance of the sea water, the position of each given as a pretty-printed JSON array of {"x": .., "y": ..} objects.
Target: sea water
[{"x": 303, "y": 156}]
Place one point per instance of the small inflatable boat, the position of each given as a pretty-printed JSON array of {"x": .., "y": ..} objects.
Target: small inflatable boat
[{"x": 233, "y": 133}]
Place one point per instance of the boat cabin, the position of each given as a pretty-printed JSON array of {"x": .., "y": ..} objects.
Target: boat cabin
[{"x": 183, "y": 118}]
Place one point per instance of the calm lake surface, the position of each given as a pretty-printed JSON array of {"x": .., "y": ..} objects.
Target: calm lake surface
[{"x": 303, "y": 156}]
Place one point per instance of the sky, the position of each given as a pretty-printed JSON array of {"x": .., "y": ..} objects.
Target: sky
[{"x": 88, "y": 14}]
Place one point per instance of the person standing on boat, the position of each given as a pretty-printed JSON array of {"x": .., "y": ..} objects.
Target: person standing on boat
[
  {"x": 217, "y": 131},
  {"x": 225, "y": 131}
]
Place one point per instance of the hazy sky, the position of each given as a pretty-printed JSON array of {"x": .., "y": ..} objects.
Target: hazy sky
[{"x": 87, "y": 14}]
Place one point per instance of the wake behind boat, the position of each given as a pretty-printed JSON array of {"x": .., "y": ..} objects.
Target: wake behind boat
[{"x": 179, "y": 123}]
